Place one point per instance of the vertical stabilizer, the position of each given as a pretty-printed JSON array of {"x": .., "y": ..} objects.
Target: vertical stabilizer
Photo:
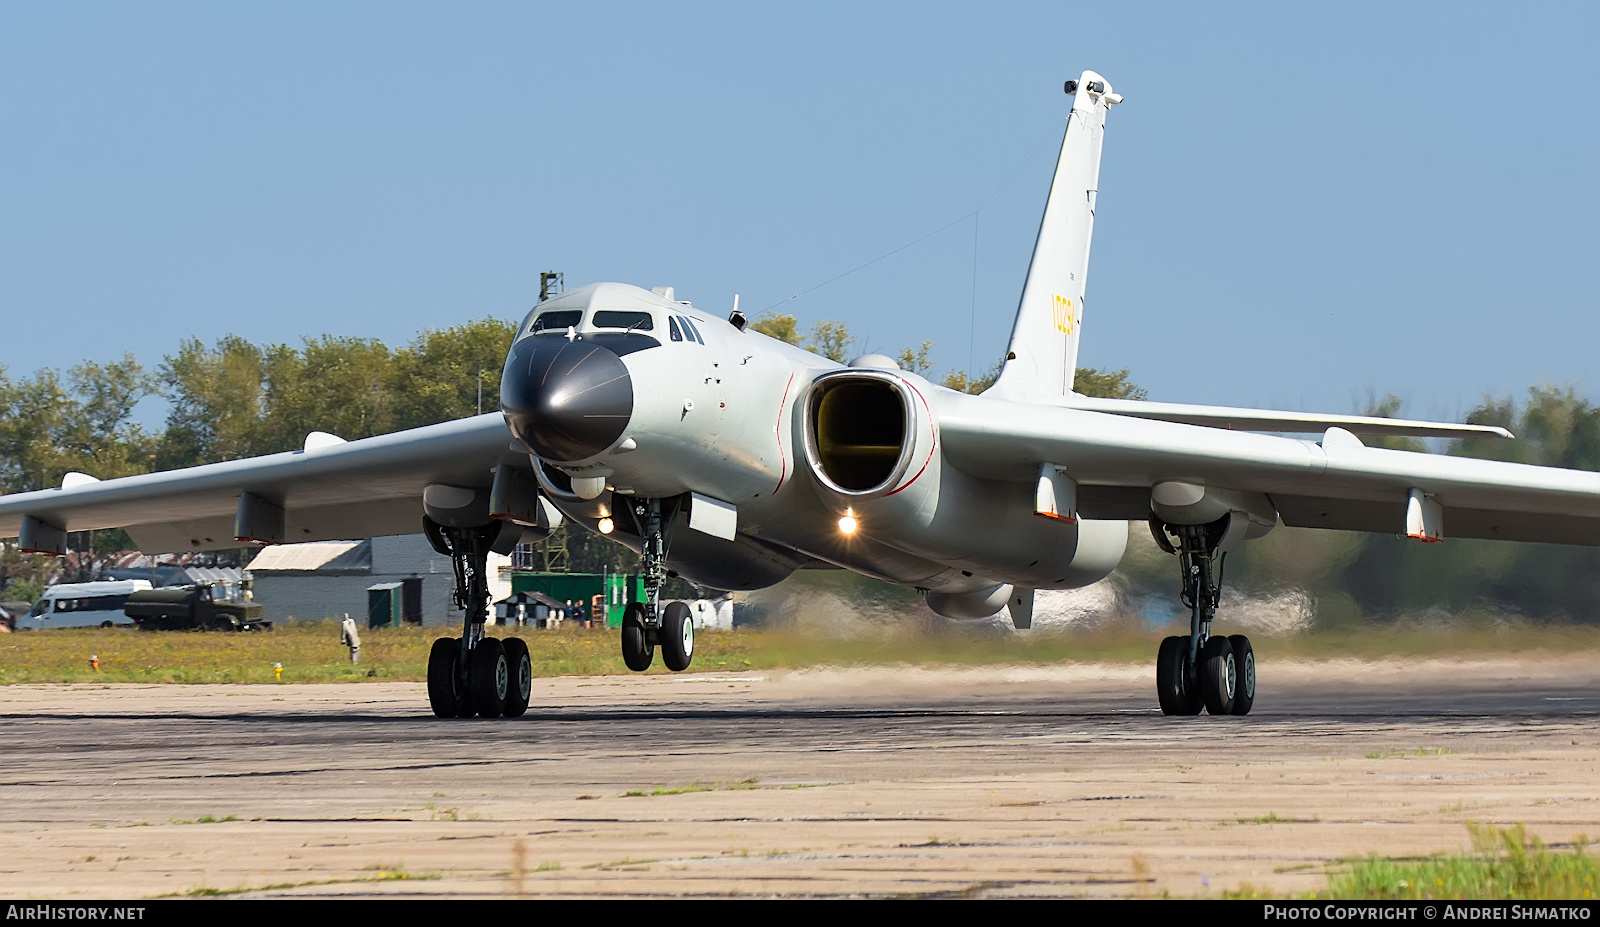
[{"x": 1044, "y": 338}]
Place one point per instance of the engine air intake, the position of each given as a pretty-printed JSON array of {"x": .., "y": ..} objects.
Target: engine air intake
[{"x": 857, "y": 431}]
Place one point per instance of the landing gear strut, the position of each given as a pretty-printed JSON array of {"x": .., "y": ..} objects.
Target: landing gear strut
[
  {"x": 1200, "y": 670},
  {"x": 646, "y": 624},
  {"x": 475, "y": 674}
]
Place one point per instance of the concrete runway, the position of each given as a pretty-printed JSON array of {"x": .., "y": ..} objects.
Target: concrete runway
[{"x": 989, "y": 782}]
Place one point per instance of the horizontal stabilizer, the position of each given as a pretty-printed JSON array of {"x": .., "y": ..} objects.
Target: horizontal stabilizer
[{"x": 1275, "y": 421}]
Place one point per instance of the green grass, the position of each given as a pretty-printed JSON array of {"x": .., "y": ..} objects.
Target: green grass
[
  {"x": 1272, "y": 817},
  {"x": 740, "y": 785},
  {"x": 310, "y": 652},
  {"x": 625, "y": 861},
  {"x": 1506, "y": 864},
  {"x": 205, "y": 891},
  {"x": 1420, "y": 751}
]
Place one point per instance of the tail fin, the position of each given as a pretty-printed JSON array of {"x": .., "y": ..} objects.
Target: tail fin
[{"x": 1044, "y": 338}]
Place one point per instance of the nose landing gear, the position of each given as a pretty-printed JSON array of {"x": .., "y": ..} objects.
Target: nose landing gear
[
  {"x": 645, "y": 624},
  {"x": 1198, "y": 670}
]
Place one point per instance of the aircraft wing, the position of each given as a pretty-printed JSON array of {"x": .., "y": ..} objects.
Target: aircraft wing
[
  {"x": 330, "y": 490},
  {"x": 1337, "y": 483},
  {"x": 1273, "y": 420}
]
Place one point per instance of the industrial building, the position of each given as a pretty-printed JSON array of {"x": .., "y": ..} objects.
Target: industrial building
[{"x": 326, "y": 579}]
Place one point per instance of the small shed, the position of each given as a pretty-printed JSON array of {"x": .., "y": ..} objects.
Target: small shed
[{"x": 385, "y": 605}]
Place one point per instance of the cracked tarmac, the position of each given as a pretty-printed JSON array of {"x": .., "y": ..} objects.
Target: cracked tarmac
[{"x": 987, "y": 782}]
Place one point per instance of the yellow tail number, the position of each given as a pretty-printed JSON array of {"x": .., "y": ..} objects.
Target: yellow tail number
[{"x": 1061, "y": 308}]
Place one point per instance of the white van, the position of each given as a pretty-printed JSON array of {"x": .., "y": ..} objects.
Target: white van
[{"x": 82, "y": 605}]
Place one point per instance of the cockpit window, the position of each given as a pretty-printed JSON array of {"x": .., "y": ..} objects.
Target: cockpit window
[
  {"x": 692, "y": 329},
  {"x": 556, "y": 321},
  {"x": 612, "y": 318},
  {"x": 672, "y": 326}
]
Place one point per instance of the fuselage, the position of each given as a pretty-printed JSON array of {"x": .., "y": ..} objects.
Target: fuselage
[{"x": 622, "y": 394}]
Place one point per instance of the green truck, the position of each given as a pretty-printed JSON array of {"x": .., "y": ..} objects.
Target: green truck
[{"x": 192, "y": 608}]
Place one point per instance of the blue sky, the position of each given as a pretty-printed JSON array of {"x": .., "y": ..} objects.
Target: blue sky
[{"x": 1299, "y": 203}]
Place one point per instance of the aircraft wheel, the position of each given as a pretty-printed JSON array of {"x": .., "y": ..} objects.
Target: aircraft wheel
[
  {"x": 1219, "y": 676},
  {"x": 1244, "y": 662},
  {"x": 443, "y": 696},
  {"x": 677, "y": 636},
  {"x": 488, "y": 678},
  {"x": 519, "y": 685},
  {"x": 637, "y": 651},
  {"x": 1172, "y": 688}
]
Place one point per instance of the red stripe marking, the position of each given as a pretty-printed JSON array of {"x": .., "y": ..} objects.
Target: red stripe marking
[
  {"x": 931, "y": 451},
  {"x": 777, "y": 431}
]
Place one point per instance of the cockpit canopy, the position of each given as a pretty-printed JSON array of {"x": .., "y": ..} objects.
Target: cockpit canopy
[
  {"x": 559, "y": 320},
  {"x": 619, "y": 317}
]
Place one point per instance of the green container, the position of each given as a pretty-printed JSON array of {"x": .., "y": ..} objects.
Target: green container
[
  {"x": 615, "y": 589},
  {"x": 385, "y": 605}
]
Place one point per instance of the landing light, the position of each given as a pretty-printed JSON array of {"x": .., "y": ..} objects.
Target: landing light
[
  {"x": 607, "y": 526},
  {"x": 847, "y": 524}
]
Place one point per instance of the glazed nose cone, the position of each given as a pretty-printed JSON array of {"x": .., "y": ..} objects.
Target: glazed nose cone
[{"x": 567, "y": 400}]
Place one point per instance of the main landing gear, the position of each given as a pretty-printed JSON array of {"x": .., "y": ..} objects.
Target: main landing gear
[
  {"x": 1199, "y": 670},
  {"x": 645, "y": 624},
  {"x": 474, "y": 674}
]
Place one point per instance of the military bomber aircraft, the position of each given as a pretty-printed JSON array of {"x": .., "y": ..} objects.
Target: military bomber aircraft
[{"x": 734, "y": 459}]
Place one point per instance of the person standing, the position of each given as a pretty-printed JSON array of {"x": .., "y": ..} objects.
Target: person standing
[{"x": 350, "y": 637}]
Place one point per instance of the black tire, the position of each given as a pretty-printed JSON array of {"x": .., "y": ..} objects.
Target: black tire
[
  {"x": 1169, "y": 675},
  {"x": 677, "y": 636},
  {"x": 488, "y": 678},
  {"x": 1173, "y": 689},
  {"x": 1244, "y": 662},
  {"x": 519, "y": 685},
  {"x": 1218, "y": 676},
  {"x": 637, "y": 651},
  {"x": 443, "y": 696}
]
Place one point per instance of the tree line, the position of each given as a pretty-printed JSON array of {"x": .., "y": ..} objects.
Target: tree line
[
  {"x": 225, "y": 401},
  {"x": 237, "y": 399}
]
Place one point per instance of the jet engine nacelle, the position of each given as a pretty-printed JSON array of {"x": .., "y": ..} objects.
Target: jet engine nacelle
[{"x": 871, "y": 441}]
